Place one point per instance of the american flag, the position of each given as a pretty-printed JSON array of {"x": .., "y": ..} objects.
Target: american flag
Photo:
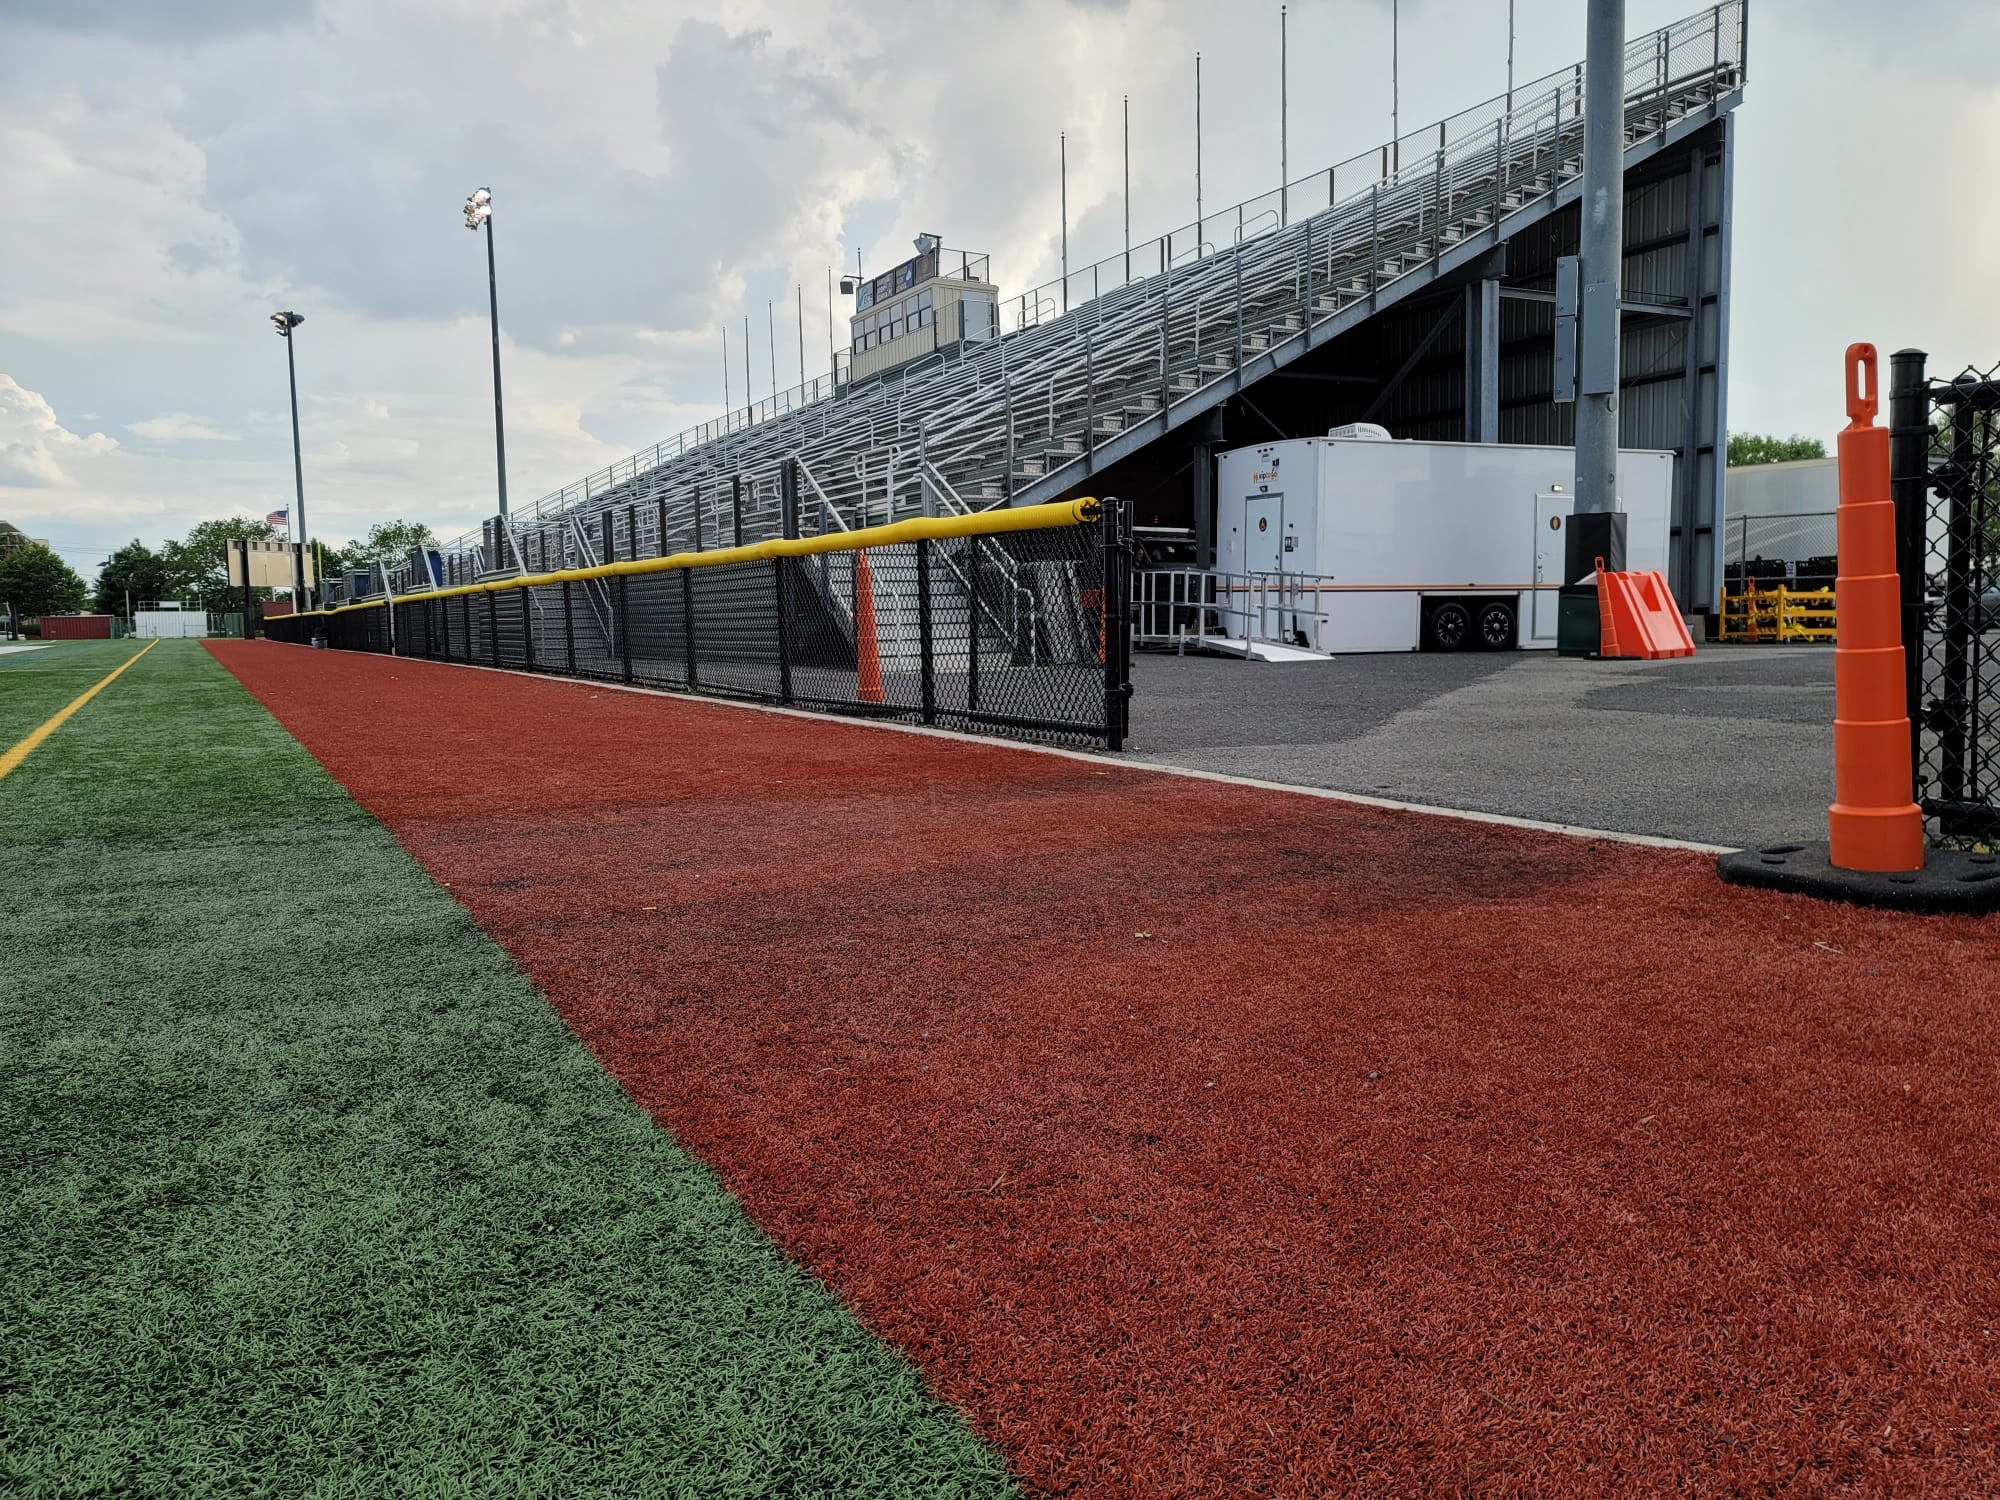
[{"x": 279, "y": 517}]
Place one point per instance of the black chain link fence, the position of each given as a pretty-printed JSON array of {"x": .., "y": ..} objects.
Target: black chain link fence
[
  {"x": 1019, "y": 632},
  {"x": 1945, "y": 469}
]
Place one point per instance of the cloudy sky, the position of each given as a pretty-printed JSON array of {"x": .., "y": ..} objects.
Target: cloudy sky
[{"x": 174, "y": 170}]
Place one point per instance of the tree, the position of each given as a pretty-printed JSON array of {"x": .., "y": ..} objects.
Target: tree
[
  {"x": 37, "y": 582},
  {"x": 1747, "y": 448},
  {"x": 388, "y": 542},
  {"x": 135, "y": 572},
  {"x": 197, "y": 566}
]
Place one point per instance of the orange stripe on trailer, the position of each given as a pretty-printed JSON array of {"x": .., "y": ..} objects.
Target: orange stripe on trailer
[
  {"x": 1873, "y": 824},
  {"x": 11, "y": 761}
]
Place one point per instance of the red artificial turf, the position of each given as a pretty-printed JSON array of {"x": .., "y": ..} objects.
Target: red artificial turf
[{"x": 1204, "y": 1140}]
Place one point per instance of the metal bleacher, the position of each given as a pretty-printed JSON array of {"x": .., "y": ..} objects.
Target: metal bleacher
[{"x": 1092, "y": 368}]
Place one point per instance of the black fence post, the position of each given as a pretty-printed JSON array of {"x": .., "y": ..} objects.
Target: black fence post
[
  {"x": 687, "y": 621},
  {"x": 493, "y": 627},
  {"x": 624, "y": 627},
  {"x": 972, "y": 624},
  {"x": 1115, "y": 629},
  {"x": 788, "y": 497},
  {"x": 660, "y": 521},
  {"x": 569, "y": 626},
  {"x": 465, "y": 623},
  {"x": 926, "y": 653},
  {"x": 736, "y": 504},
  {"x": 528, "y": 628},
  {"x": 784, "y": 631},
  {"x": 1909, "y": 487}
]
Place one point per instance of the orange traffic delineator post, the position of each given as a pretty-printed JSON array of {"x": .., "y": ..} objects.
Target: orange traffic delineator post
[
  {"x": 867, "y": 655},
  {"x": 1874, "y": 855},
  {"x": 1873, "y": 823},
  {"x": 1637, "y": 617}
]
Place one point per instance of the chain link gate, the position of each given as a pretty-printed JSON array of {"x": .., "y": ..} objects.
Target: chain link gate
[{"x": 1945, "y": 475}]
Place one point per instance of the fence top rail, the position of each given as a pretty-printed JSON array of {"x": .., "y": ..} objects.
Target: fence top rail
[{"x": 1048, "y": 517}]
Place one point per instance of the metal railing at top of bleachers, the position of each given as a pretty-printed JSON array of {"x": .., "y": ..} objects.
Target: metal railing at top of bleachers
[{"x": 1166, "y": 331}]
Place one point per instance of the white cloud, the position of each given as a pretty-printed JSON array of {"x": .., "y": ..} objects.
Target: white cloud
[
  {"x": 33, "y": 444},
  {"x": 179, "y": 427}
]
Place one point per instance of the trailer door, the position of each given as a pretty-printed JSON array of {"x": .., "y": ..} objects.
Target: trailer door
[
  {"x": 1264, "y": 534},
  {"x": 1551, "y": 515}
]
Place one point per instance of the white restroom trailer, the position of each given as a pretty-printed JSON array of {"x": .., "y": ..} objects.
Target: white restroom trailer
[{"x": 1361, "y": 543}]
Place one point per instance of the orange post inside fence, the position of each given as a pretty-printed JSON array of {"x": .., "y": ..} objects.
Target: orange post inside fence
[
  {"x": 1873, "y": 824},
  {"x": 867, "y": 655}
]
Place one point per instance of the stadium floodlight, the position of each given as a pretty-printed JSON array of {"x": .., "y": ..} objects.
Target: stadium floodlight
[
  {"x": 926, "y": 243},
  {"x": 478, "y": 211},
  {"x": 284, "y": 323},
  {"x": 847, "y": 286}
]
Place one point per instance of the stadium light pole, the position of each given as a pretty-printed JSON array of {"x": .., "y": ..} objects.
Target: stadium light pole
[
  {"x": 1284, "y": 103},
  {"x": 1596, "y": 531},
  {"x": 285, "y": 322},
  {"x": 1062, "y": 173},
  {"x": 1395, "y": 85},
  {"x": 478, "y": 211},
  {"x": 1197, "y": 156},
  {"x": 1510, "y": 56},
  {"x": 1128, "y": 187}
]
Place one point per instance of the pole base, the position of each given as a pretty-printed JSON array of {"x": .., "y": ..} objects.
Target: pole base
[
  {"x": 1950, "y": 881},
  {"x": 1579, "y": 623}
]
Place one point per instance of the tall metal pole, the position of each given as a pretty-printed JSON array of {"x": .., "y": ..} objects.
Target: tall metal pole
[
  {"x": 1510, "y": 56},
  {"x": 1284, "y": 103},
  {"x": 799, "y": 292},
  {"x": 727, "y": 405},
  {"x": 1128, "y": 187},
  {"x": 1601, "y": 249},
  {"x": 832, "y": 356},
  {"x": 749, "y": 393},
  {"x": 1197, "y": 156},
  {"x": 771, "y": 338},
  {"x": 1395, "y": 85},
  {"x": 499, "y": 423},
  {"x": 299, "y": 492},
  {"x": 1062, "y": 171}
]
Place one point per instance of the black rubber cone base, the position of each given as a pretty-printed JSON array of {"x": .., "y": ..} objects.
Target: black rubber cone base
[{"x": 1950, "y": 881}]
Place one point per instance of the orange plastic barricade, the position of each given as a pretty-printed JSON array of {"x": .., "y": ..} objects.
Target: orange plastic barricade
[
  {"x": 867, "y": 655},
  {"x": 1637, "y": 617},
  {"x": 1873, "y": 824}
]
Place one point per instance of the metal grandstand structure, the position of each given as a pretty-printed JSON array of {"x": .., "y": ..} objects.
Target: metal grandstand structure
[{"x": 1093, "y": 367}]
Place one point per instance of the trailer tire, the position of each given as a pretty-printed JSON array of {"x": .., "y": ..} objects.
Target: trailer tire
[
  {"x": 1496, "y": 626},
  {"x": 1448, "y": 627}
]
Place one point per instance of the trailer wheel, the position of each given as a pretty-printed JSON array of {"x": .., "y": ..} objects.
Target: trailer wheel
[
  {"x": 1450, "y": 626},
  {"x": 1496, "y": 626}
]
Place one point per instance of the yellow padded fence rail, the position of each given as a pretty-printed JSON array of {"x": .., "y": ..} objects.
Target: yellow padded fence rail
[{"x": 919, "y": 528}]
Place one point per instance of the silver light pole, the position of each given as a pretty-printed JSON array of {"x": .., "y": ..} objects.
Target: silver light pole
[
  {"x": 478, "y": 211},
  {"x": 1128, "y": 187},
  {"x": 1197, "y": 156},
  {"x": 1395, "y": 85},
  {"x": 1601, "y": 247},
  {"x": 285, "y": 322},
  {"x": 1284, "y": 102},
  {"x": 1062, "y": 174}
]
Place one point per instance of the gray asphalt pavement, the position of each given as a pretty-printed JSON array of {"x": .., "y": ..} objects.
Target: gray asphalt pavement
[{"x": 1732, "y": 746}]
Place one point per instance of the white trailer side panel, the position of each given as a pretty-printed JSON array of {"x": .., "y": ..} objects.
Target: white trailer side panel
[{"x": 1379, "y": 526}]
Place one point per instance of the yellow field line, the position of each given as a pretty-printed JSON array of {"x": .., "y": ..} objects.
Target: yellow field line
[{"x": 13, "y": 758}]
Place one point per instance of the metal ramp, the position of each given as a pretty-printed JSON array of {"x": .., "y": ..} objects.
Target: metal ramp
[{"x": 1087, "y": 373}]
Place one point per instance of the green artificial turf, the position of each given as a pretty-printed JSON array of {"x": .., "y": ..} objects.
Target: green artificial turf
[
  {"x": 309, "y": 1193},
  {"x": 35, "y": 684}
]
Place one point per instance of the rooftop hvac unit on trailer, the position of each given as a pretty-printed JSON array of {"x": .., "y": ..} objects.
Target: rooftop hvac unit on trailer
[{"x": 1354, "y": 543}]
